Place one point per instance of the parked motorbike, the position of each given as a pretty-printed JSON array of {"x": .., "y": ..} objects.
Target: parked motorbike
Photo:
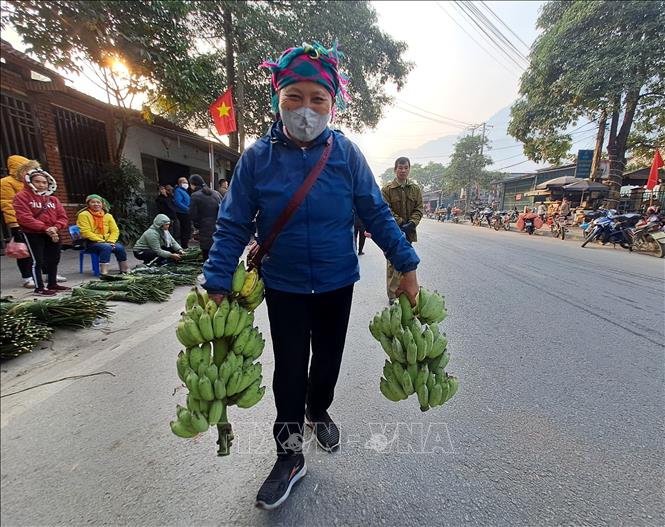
[
  {"x": 497, "y": 220},
  {"x": 486, "y": 214},
  {"x": 649, "y": 237},
  {"x": 612, "y": 228}
]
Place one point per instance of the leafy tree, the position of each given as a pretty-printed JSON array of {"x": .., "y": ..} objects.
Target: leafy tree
[
  {"x": 243, "y": 34},
  {"x": 182, "y": 54},
  {"x": 130, "y": 46},
  {"x": 467, "y": 166},
  {"x": 600, "y": 59},
  {"x": 429, "y": 176},
  {"x": 119, "y": 184}
]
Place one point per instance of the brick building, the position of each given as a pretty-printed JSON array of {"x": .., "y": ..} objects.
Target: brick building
[{"x": 73, "y": 135}]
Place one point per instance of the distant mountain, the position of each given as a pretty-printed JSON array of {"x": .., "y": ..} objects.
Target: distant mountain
[{"x": 505, "y": 150}]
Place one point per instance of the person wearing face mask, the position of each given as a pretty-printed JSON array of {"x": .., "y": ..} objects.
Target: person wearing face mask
[
  {"x": 182, "y": 200},
  {"x": 40, "y": 216},
  {"x": 101, "y": 233},
  {"x": 405, "y": 200},
  {"x": 311, "y": 264}
]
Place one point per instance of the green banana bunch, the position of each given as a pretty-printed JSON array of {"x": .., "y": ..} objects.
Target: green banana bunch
[
  {"x": 431, "y": 307},
  {"x": 238, "y": 279},
  {"x": 407, "y": 310},
  {"x": 191, "y": 299},
  {"x": 395, "y": 319},
  {"x": 252, "y": 395},
  {"x": 219, "y": 318},
  {"x": 220, "y": 351},
  {"x": 217, "y": 365},
  {"x": 232, "y": 319},
  {"x": 416, "y": 350}
]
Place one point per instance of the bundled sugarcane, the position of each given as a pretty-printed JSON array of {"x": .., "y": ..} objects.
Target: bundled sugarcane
[
  {"x": 118, "y": 296},
  {"x": 163, "y": 282},
  {"x": 180, "y": 274},
  {"x": 138, "y": 289},
  {"x": 62, "y": 312},
  {"x": 193, "y": 255},
  {"x": 19, "y": 333}
]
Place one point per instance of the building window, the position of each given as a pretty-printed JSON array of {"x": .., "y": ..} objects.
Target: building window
[
  {"x": 83, "y": 151},
  {"x": 20, "y": 134}
]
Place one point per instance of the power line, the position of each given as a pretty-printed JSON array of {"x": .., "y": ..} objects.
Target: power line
[
  {"x": 431, "y": 118},
  {"x": 470, "y": 16},
  {"x": 435, "y": 114},
  {"x": 494, "y": 58},
  {"x": 504, "y": 24},
  {"x": 513, "y": 165},
  {"x": 490, "y": 25},
  {"x": 507, "y": 158}
]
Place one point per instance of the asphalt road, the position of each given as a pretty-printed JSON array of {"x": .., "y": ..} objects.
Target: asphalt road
[{"x": 558, "y": 420}]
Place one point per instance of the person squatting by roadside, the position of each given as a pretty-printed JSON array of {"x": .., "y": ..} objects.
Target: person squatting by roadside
[
  {"x": 157, "y": 243},
  {"x": 405, "y": 200},
  {"x": 101, "y": 233},
  {"x": 18, "y": 167},
  {"x": 312, "y": 266},
  {"x": 40, "y": 216},
  {"x": 203, "y": 210}
]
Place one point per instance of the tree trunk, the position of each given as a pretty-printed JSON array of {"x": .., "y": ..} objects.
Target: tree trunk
[
  {"x": 616, "y": 167},
  {"x": 124, "y": 127},
  {"x": 598, "y": 150},
  {"x": 230, "y": 68},
  {"x": 617, "y": 147}
]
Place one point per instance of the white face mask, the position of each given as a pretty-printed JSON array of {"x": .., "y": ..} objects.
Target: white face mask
[
  {"x": 184, "y": 185},
  {"x": 304, "y": 124}
]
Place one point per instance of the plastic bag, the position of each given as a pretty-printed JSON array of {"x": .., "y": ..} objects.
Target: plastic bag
[{"x": 17, "y": 250}]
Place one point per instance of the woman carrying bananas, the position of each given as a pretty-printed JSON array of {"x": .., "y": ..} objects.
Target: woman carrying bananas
[{"x": 312, "y": 265}]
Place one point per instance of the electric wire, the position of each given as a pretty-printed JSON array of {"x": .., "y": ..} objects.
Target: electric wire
[
  {"x": 504, "y": 24},
  {"x": 470, "y": 16},
  {"x": 496, "y": 31},
  {"x": 491, "y": 55}
]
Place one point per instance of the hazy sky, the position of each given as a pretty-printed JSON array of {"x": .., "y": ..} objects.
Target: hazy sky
[{"x": 452, "y": 76}]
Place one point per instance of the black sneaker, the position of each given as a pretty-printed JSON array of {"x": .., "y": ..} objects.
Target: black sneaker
[
  {"x": 277, "y": 487},
  {"x": 325, "y": 431}
]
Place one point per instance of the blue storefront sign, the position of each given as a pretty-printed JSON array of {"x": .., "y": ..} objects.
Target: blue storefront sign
[{"x": 584, "y": 161}]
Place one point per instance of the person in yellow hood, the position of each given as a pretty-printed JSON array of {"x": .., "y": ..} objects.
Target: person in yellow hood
[
  {"x": 101, "y": 233},
  {"x": 18, "y": 167}
]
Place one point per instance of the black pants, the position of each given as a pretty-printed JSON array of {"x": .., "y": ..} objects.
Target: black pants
[
  {"x": 359, "y": 232},
  {"x": 45, "y": 255},
  {"x": 185, "y": 229},
  {"x": 24, "y": 264},
  {"x": 296, "y": 321},
  {"x": 148, "y": 255}
]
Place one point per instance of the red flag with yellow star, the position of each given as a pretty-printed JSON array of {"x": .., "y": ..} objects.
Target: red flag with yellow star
[{"x": 223, "y": 114}]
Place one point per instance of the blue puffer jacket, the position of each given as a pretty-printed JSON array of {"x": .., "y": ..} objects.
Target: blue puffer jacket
[
  {"x": 314, "y": 252},
  {"x": 181, "y": 199}
]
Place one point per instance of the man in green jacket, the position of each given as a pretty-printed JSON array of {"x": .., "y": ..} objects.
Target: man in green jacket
[{"x": 405, "y": 200}]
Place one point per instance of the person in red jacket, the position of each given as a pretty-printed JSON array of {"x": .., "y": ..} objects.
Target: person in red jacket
[{"x": 40, "y": 216}]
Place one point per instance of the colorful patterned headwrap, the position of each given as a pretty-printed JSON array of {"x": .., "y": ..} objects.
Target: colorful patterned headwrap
[{"x": 310, "y": 62}]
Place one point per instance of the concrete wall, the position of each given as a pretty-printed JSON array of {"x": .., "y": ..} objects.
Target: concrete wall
[{"x": 141, "y": 140}]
